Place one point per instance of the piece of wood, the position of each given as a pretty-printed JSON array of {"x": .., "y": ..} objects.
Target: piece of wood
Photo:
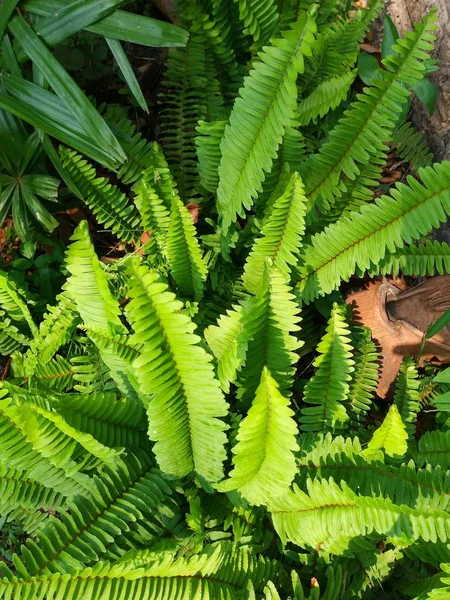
[{"x": 436, "y": 128}]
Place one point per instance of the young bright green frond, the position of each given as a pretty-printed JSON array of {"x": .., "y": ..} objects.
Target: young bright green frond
[
  {"x": 264, "y": 461},
  {"x": 369, "y": 122},
  {"x": 55, "y": 330},
  {"x": 325, "y": 97},
  {"x": 88, "y": 284},
  {"x": 327, "y": 390},
  {"x": 430, "y": 258},
  {"x": 110, "y": 206},
  {"x": 358, "y": 240},
  {"x": 364, "y": 379},
  {"x": 391, "y": 436},
  {"x": 332, "y": 511},
  {"x": 280, "y": 238},
  {"x": 406, "y": 396},
  {"x": 57, "y": 374},
  {"x": 184, "y": 255},
  {"x": 90, "y": 374},
  {"x": 14, "y": 304},
  {"x": 272, "y": 318},
  {"x": 121, "y": 498},
  {"x": 260, "y": 115},
  {"x": 186, "y": 404}
]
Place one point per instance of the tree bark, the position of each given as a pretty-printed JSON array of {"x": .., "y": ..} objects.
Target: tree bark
[{"x": 437, "y": 127}]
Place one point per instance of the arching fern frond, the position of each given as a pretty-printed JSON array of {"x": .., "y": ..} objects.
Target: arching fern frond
[
  {"x": 264, "y": 463},
  {"x": 430, "y": 258},
  {"x": 208, "y": 151},
  {"x": 369, "y": 122},
  {"x": 10, "y": 337},
  {"x": 185, "y": 259},
  {"x": 56, "y": 374},
  {"x": 406, "y": 396},
  {"x": 325, "y": 97},
  {"x": 186, "y": 405},
  {"x": 110, "y": 206},
  {"x": 13, "y": 303},
  {"x": 55, "y": 330},
  {"x": 433, "y": 448},
  {"x": 271, "y": 320},
  {"x": 309, "y": 519},
  {"x": 222, "y": 572},
  {"x": 355, "y": 241},
  {"x": 364, "y": 379},
  {"x": 258, "y": 121},
  {"x": 280, "y": 236},
  {"x": 327, "y": 390},
  {"x": 120, "y": 497}
]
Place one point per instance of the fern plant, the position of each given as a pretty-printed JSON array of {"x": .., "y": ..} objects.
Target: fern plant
[{"x": 198, "y": 419}]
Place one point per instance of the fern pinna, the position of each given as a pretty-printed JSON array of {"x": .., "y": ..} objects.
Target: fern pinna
[{"x": 198, "y": 419}]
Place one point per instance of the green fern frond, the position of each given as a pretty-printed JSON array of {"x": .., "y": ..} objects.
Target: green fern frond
[
  {"x": 309, "y": 519},
  {"x": 271, "y": 320},
  {"x": 406, "y": 396},
  {"x": 110, "y": 206},
  {"x": 264, "y": 463},
  {"x": 114, "y": 422},
  {"x": 57, "y": 374},
  {"x": 90, "y": 374},
  {"x": 183, "y": 105},
  {"x": 26, "y": 499},
  {"x": 358, "y": 240},
  {"x": 411, "y": 146},
  {"x": 430, "y": 258},
  {"x": 260, "y": 18},
  {"x": 10, "y": 337},
  {"x": 13, "y": 303},
  {"x": 117, "y": 344},
  {"x": 433, "y": 448},
  {"x": 364, "y": 379},
  {"x": 154, "y": 215},
  {"x": 222, "y": 572},
  {"x": 184, "y": 255},
  {"x": 184, "y": 420},
  {"x": 17, "y": 453},
  {"x": 209, "y": 153},
  {"x": 369, "y": 122},
  {"x": 229, "y": 340},
  {"x": 258, "y": 121},
  {"x": 120, "y": 498},
  {"x": 55, "y": 330},
  {"x": 325, "y": 97},
  {"x": 391, "y": 436},
  {"x": 280, "y": 237},
  {"x": 328, "y": 388}
]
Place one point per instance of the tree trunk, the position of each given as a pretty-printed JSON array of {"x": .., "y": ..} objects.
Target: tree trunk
[{"x": 437, "y": 127}]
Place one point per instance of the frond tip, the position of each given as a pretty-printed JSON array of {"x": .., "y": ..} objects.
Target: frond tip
[{"x": 264, "y": 461}]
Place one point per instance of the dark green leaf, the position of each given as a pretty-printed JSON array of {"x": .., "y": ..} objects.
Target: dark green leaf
[
  {"x": 390, "y": 37},
  {"x": 42, "y": 185},
  {"x": 6, "y": 10},
  {"x": 5, "y": 201},
  {"x": 62, "y": 172},
  {"x": 9, "y": 57},
  {"x": 427, "y": 93},
  {"x": 30, "y": 149},
  {"x": 39, "y": 212},
  {"x": 367, "y": 67},
  {"x": 67, "y": 90},
  {"x": 439, "y": 324},
  {"x": 127, "y": 71},
  {"x": 122, "y": 25},
  {"x": 19, "y": 215}
]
